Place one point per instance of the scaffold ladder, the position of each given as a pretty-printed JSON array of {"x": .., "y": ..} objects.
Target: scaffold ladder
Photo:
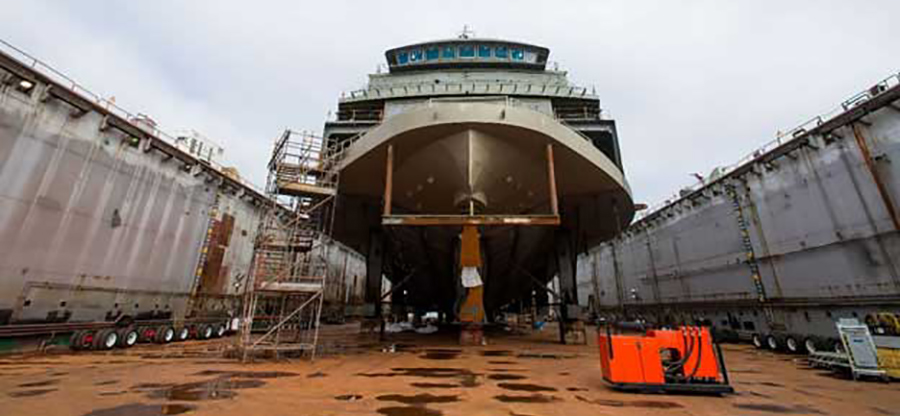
[{"x": 285, "y": 293}]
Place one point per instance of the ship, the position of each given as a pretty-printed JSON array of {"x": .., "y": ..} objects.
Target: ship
[{"x": 477, "y": 132}]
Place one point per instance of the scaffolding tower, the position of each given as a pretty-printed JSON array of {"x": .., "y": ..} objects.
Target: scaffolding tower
[{"x": 283, "y": 298}]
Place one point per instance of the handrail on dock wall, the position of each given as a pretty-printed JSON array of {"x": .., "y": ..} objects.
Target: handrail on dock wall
[
  {"x": 48, "y": 71},
  {"x": 781, "y": 138}
]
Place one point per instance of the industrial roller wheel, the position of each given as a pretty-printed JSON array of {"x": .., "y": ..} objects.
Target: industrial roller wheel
[
  {"x": 204, "y": 331},
  {"x": 146, "y": 334},
  {"x": 128, "y": 337},
  {"x": 757, "y": 341},
  {"x": 773, "y": 343},
  {"x": 220, "y": 330},
  {"x": 81, "y": 340},
  {"x": 164, "y": 334},
  {"x": 811, "y": 344},
  {"x": 106, "y": 339},
  {"x": 183, "y": 334},
  {"x": 791, "y": 345}
]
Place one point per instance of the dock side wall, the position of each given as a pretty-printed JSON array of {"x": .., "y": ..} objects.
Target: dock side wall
[{"x": 784, "y": 245}]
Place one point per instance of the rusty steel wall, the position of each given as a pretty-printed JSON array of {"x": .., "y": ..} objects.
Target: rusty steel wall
[
  {"x": 99, "y": 219},
  {"x": 788, "y": 243},
  {"x": 84, "y": 214}
]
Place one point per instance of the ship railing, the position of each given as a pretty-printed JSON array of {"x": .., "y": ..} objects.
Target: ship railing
[
  {"x": 781, "y": 138},
  {"x": 301, "y": 157},
  {"x": 360, "y": 115},
  {"x": 471, "y": 87},
  {"x": 109, "y": 105},
  {"x": 505, "y": 101}
]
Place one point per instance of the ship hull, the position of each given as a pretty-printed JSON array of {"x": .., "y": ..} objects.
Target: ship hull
[{"x": 464, "y": 158}]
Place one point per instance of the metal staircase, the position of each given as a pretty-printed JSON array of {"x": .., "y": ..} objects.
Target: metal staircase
[{"x": 283, "y": 300}]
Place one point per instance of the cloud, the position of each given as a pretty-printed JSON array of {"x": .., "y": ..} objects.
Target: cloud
[{"x": 692, "y": 84}]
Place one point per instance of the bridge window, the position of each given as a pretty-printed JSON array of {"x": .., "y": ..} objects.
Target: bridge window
[
  {"x": 449, "y": 52},
  {"x": 467, "y": 51},
  {"x": 415, "y": 55},
  {"x": 432, "y": 54},
  {"x": 484, "y": 51},
  {"x": 402, "y": 58},
  {"x": 518, "y": 55},
  {"x": 501, "y": 52}
]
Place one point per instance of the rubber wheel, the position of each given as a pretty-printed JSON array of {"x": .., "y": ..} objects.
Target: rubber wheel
[
  {"x": 220, "y": 330},
  {"x": 792, "y": 346},
  {"x": 183, "y": 334},
  {"x": 204, "y": 332},
  {"x": 106, "y": 339},
  {"x": 128, "y": 337},
  {"x": 773, "y": 343},
  {"x": 757, "y": 341},
  {"x": 811, "y": 345},
  {"x": 164, "y": 334},
  {"x": 81, "y": 340},
  {"x": 147, "y": 334}
]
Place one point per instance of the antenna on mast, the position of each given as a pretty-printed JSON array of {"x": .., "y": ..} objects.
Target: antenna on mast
[{"x": 466, "y": 32}]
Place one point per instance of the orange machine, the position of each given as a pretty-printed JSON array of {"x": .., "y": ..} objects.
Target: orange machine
[{"x": 666, "y": 360}]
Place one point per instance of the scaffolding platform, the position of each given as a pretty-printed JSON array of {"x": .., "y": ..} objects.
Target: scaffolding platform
[{"x": 283, "y": 300}]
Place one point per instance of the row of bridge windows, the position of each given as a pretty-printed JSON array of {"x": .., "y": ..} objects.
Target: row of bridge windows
[{"x": 455, "y": 52}]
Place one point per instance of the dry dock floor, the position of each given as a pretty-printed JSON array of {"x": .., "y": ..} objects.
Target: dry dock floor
[{"x": 426, "y": 375}]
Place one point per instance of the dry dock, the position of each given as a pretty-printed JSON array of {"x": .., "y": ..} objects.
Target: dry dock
[{"x": 426, "y": 375}]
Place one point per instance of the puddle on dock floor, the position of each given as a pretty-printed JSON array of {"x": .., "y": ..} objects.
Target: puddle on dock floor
[
  {"x": 349, "y": 397},
  {"x": 776, "y": 408},
  {"x": 525, "y": 387},
  {"x": 506, "y": 377},
  {"x": 408, "y": 411},
  {"x": 434, "y": 385},
  {"x": 418, "y": 399},
  {"x": 496, "y": 353},
  {"x": 140, "y": 409},
  {"x": 106, "y": 383},
  {"x": 533, "y": 398},
  {"x": 424, "y": 372},
  {"x": 247, "y": 374},
  {"x": 317, "y": 374},
  {"x": 651, "y": 404},
  {"x": 39, "y": 383},
  {"x": 547, "y": 356},
  {"x": 441, "y": 354},
  {"x": 218, "y": 388},
  {"x": 30, "y": 393}
]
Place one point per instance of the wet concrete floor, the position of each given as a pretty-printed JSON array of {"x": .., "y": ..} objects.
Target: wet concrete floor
[{"x": 428, "y": 376}]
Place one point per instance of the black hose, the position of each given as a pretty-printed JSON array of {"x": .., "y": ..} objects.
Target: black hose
[
  {"x": 689, "y": 350},
  {"x": 699, "y": 353}
]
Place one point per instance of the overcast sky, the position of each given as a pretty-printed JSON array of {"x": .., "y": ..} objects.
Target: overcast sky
[{"x": 692, "y": 84}]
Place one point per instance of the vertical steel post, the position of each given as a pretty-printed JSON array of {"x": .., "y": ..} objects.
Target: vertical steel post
[
  {"x": 388, "y": 180},
  {"x": 873, "y": 170},
  {"x": 551, "y": 177}
]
